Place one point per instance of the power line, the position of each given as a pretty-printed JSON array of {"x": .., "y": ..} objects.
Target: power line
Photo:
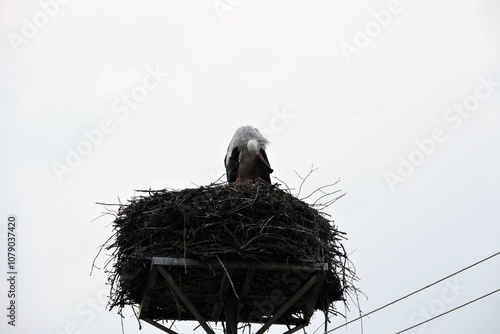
[
  {"x": 414, "y": 292},
  {"x": 454, "y": 309}
]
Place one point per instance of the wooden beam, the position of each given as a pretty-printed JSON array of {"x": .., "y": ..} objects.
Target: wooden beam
[
  {"x": 160, "y": 326},
  {"x": 185, "y": 300},
  {"x": 289, "y": 303},
  {"x": 312, "y": 297},
  {"x": 171, "y": 261},
  {"x": 231, "y": 306},
  {"x": 146, "y": 298},
  {"x": 245, "y": 288},
  {"x": 296, "y": 328},
  {"x": 217, "y": 308}
]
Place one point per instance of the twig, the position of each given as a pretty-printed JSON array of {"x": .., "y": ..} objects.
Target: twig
[
  {"x": 304, "y": 178},
  {"x": 320, "y": 189},
  {"x": 228, "y": 276}
]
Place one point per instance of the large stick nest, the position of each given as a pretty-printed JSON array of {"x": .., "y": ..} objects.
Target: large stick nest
[{"x": 224, "y": 222}]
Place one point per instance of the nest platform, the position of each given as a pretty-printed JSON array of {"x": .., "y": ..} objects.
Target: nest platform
[{"x": 250, "y": 253}]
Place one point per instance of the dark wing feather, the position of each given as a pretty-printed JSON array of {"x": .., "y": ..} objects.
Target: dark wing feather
[
  {"x": 233, "y": 165},
  {"x": 265, "y": 170}
]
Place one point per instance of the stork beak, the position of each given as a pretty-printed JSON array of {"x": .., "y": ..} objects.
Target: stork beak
[{"x": 259, "y": 155}]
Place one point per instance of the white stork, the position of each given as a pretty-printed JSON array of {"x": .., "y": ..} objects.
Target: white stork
[{"x": 246, "y": 157}]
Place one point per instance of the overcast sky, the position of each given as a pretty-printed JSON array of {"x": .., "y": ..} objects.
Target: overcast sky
[{"x": 400, "y": 100}]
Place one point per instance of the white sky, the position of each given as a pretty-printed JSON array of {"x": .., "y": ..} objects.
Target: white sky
[{"x": 277, "y": 65}]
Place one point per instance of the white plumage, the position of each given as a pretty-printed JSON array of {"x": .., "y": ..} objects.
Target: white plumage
[{"x": 246, "y": 157}]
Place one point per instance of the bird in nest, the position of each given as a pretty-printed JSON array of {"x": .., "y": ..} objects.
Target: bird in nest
[{"x": 246, "y": 157}]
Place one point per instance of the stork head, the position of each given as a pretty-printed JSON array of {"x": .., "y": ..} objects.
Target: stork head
[{"x": 253, "y": 147}]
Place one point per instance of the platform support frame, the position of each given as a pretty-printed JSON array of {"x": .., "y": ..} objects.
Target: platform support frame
[{"x": 231, "y": 299}]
